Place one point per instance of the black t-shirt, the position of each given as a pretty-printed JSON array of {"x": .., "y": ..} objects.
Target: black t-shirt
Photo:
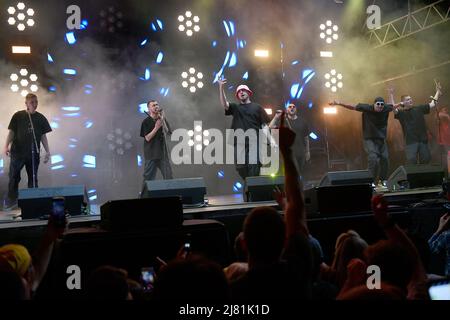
[
  {"x": 301, "y": 130},
  {"x": 247, "y": 116},
  {"x": 23, "y": 135},
  {"x": 374, "y": 123},
  {"x": 156, "y": 147},
  {"x": 413, "y": 123}
]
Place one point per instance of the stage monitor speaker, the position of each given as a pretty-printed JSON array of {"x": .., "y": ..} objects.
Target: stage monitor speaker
[
  {"x": 261, "y": 188},
  {"x": 139, "y": 214},
  {"x": 416, "y": 176},
  {"x": 37, "y": 202},
  {"x": 339, "y": 200},
  {"x": 191, "y": 190},
  {"x": 339, "y": 178}
]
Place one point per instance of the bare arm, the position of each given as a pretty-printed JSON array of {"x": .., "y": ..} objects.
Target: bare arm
[
  {"x": 41, "y": 258},
  {"x": 9, "y": 139},
  {"x": 222, "y": 96},
  {"x": 437, "y": 95},
  {"x": 275, "y": 121},
  {"x": 347, "y": 106},
  {"x": 45, "y": 143},
  {"x": 295, "y": 207},
  {"x": 149, "y": 136}
]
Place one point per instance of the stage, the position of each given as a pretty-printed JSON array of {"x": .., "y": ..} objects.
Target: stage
[{"x": 221, "y": 206}]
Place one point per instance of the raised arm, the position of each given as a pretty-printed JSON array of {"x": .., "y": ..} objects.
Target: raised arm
[
  {"x": 395, "y": 234},
  {"x": 295, "y": 207},
  {"x": 9, "y": 139},
  {"x": 437, "y": 95},
  {"x": 149, "y": 136},
  {"x": 347, "y": 106},
  {"x": 222, "y": 96},
  {"x": 276, "y": 120}
]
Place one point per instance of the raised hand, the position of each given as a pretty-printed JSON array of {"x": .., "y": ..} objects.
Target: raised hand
[
  {"x": 438, "y": 87},
  {"x": 46, "y": 157},
  {"x": 390, "y": 90},
  {"x": 222, "y": 82},
  {"x": 287, "y": 136},
  {"x": 7, "y": 151},
  {"x": 444, "y": 222},
  {"x": 380, "y": 209},
  {"x": 158, "y": 124},
  {"x": 334, "y": 103}
]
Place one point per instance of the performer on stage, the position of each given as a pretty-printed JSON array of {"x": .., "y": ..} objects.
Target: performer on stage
[
  {"x": 414, "y": 127},
  {"x": 375, "y": 119},
  {"x": 27, "y": 129},
  {"x": 246, "y": 115},
  {"x": 301, "y": 129},
  {"x": 153, "y": 130}
]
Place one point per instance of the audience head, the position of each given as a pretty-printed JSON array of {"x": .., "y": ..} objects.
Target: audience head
[
  {"x": 108, "y": 283},
  {"x": 395, "y": 263},
  {"x": 349, "y": 245},
  {"x": 13, "y": 287},
  {"x": 193, "y": 279},
  {"x": 264, "y": 235}
]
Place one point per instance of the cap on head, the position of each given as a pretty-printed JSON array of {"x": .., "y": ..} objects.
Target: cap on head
[
  {"x": 14, "y": 257},
  {"x": 245, "y": 88}
]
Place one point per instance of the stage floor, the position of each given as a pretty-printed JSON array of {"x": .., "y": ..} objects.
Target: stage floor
[{"x": 213, "y": 205}]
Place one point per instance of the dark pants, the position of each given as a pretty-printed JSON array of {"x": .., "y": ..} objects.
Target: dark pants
[
  {"x": 247, "y": 169},
  {"x": 377, "y": 158},
  {"x": 417, "y": 149},
  {"x": 152, "y": 165},
  {"x": 16, "y": 165}
]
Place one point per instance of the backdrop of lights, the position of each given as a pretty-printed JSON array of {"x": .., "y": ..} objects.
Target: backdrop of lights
[
  {"x": 21, "y": 16},
  {"x": 333, "y": 80},
  {"x": 188, "y": 23},
  {"x": 24, "y": 82},
  {"x": 192, "y": 80},
  {"x": 119, "y": 141},
  {"x": 329, "y": 31}
]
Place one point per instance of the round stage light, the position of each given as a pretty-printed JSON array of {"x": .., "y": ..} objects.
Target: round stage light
[
  {"x": 192, "y": 89},
  {"x": 184, "y": 84},
  {"x": 21, "y": 16},
  {"x": 188, "y": 24},
  {"x": 14, "y": 88},
  {"x": 192, "y": 79},
  {"x": 11, "y": 20},
  {"x": 20, "y": 6},
  {"x": 184, "y": 75},
  {"x": 198, "y": 147},
  {"x": 24, "y": 82},
  {"x": 206, "y": 133},
  {"x": 198, "y": 128},
  {"x": 30, "y": 12},
  {"x": 21, "y": 26},
  {"x": 192, "y": 70},
  {"x": 11, "y": 10},
  {"x": 33, "y": 77},
  {"x": 200, "y": 75},
  {"x": 34, "y": 88},
  {"x": 23, "y": 72},
  {"x": 30, "y": 22},
  {"x": 198, "y": 138},
  {"x": 333, "y": 80},
  {"x": 14, "y": 77},
  {"x": 329, "y": 31},
  {"x": 333, "y": 89},
  {"x": 24, "y": 93},
  {"x": 200, "y": 85},
  {"x": 206, "y": 142},
  {"x": 191, "y": 143},
  {"x": 191, "y": 133}
]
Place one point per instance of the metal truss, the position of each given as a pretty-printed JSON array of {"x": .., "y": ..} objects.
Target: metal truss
[{"x": 414, "y": 22}]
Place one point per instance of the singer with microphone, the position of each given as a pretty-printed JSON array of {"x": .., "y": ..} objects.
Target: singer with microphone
[
  {"x": 412, "y": 120},
  {"x": 27, "y": 129},
  {"x": 297, "y": 124},
  {"x": 154, "y": 129}
]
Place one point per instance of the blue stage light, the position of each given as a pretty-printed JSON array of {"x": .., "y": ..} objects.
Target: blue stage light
[
  {"x": 160, "y": 24},
  {"x": 89, "y": 161},
  {"x": 70, "y": 38},
  {"x": 54, "y": 125},
  {"x": 294, "y": 90},
  {"x": 70, "y": 108},
  {"x": 220, "y": 174},
  {"x": 147, "y": 74},
  {"x": 233, "y": 60},
  {"x": 142, "y": 107},
  {"x": 245, "y": 76},
  {"x": 71, "y": 72},
  {"x": 49, "y": 58},
  {"x": 139, "y": 161},
  {"x": 313, "y": 136},
  {"x": 52, "y": 88},
  {"x": 295, "y": 62},
  {"x": 310, "y": 105},
  {"x": 144, "y": 42},
  {"x": 160, "y": 57},
  {"x": 214, "y": 44},
  {"x": 56, "y": 158}
]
